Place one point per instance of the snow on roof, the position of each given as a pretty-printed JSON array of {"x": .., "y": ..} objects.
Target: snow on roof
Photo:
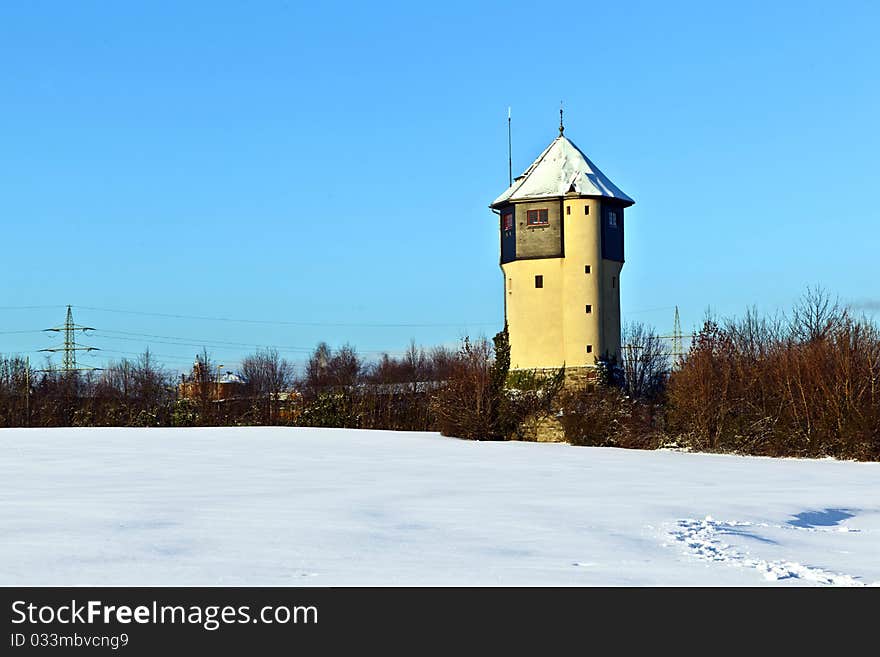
[
  {"x": 561, "y": 169},
  {"x": 230, "y": 377}
]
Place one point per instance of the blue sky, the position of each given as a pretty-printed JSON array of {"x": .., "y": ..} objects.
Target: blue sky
[{"x": 325, "y": 168}]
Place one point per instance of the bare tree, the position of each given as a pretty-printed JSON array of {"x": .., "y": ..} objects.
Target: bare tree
[
  {"x": 317, "y": 371},
  {"x": 465, "y": 407},
  {"x": 815, "y": 315},
  {"x": 151, "y": 380},
  {"x": 15, "y": 391},
  {"x": 345, "y": 368},
  {"x": 646, "y": 362},
  {"x": 331, "y": 387},
  {"x": 205, "y": 386},
  {"x": 442, "y": 362},
  {"x": 118, "y": 379},
  {"x": 266, "y": 376}
]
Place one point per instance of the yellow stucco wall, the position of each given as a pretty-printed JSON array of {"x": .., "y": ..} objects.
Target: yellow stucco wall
[
  {"x": 536, "y": 334},
  {"x": 549, "y": 327}
]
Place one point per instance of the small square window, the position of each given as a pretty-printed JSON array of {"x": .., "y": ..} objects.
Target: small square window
[
  {"x": 539, "y": 281},
  {"x": 586, "y": 269},
  {"x": 586, "y": 209},
  {"x": 567, "y": 209},
  {"x": 537, "y": 217},
  {"x": 589, "y": 308},
  {"x": 589, "y": 348},
  {"x": 612, "y": 218}
]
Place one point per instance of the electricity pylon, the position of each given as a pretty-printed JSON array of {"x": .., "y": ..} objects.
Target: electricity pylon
[
  {"x": 70, "y": 347},
  {"x": 677, "y": 340}
]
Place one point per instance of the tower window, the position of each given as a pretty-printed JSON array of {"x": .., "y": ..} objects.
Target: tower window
[
  {"x": 539, "y": 281},
  {"x": 586, "y": 209},
  {"x": 589, "y": 348},
  {"x": 589, "y": 309},
  {"x": 567, "y": 209},
  {"x": 586, "y": 269},
  {"x": 614, "y": 281},
  {"x": 612, "y": 218},
  {"x": 537, "y": 217},
  {"x": 508, "y": 221}
]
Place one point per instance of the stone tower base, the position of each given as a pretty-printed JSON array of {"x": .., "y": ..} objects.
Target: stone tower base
[
  {"x": 574, "y": 376},
  {"x": 579, "y": 377},
  {"x": 546, "y": 427}
]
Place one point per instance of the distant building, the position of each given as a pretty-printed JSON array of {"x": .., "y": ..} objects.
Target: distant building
[
  {"x": 219, "y": 387},
  {"x": 561, "y": 226}
]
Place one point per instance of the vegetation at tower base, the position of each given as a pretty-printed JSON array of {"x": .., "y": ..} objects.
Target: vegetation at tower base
[
  {"x": 605, "y": 416},
  {"x": 623, "y": 405},
  {"x": 522, "y": 395},
  {"x": 476, "y": 401}
]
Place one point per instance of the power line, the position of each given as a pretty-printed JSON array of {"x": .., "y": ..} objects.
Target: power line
[
  {"x": 166, "y": 357},
  {"x": 56, "y": 306},
  {"x": 217, "y": 344},
  {"x": 196, "y": 342},
  {"x": 283, "y": 322},
  {"x": 70, "y": 346},
  {"x": 647, "y": 310}
]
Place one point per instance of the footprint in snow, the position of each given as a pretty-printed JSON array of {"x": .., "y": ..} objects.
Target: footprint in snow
[{"x": 704, "y": 540}]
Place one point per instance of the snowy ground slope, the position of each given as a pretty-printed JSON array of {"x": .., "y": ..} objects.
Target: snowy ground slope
[{"x": 335, "y": 507}]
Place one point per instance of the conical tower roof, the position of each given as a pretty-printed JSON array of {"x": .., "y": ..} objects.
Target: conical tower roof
[{"x": 561, "y": 169}]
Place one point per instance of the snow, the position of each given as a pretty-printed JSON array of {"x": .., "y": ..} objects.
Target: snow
[
  {"x": 293, "y": 506},
  {"x": 560, "y": 169}
]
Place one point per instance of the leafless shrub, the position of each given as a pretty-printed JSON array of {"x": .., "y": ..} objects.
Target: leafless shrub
[
  {"x": 606, "y": 416},
  {"x": 645, "y": 362},
  {"x": 465, "y": 406},
  {"x": 267, "y": 376},
  {"x": 815, "y": 315},
  {"x": 327, "y": 370},
  {"x": 806, "y": 387},
  {"x": 16, "y": 380},
  {"x": 476, "y": 401}
]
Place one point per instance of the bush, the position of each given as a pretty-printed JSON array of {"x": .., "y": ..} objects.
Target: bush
[
  {"x": 803, "y": 387},
  {"x": 476, "y": 402},
  {"x": 330, "y": 409},
  {"x": 467, "y": 406},
  {"x": 601, "y": 415}
]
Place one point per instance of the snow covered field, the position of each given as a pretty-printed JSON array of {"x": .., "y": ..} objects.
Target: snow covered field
[{"x": 341, "y": 507}]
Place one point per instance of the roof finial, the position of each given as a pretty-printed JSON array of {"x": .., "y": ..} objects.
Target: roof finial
[{"x": 561, "y": 126}]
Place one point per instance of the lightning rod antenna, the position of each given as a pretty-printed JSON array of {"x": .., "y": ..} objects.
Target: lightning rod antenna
[{"x": 509, "y": 152}]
